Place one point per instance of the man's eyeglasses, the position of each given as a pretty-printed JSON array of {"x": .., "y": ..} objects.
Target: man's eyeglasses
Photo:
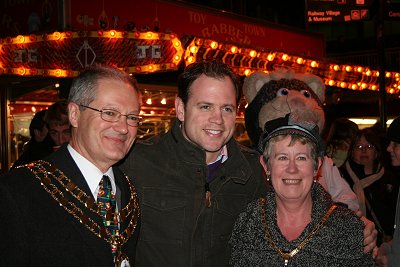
[
  {"x": 367, "y": 147},
  {"x": 112, "y": 115}
]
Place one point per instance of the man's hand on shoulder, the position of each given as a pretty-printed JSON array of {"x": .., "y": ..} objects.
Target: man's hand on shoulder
[{"x": 370, "y": 235}]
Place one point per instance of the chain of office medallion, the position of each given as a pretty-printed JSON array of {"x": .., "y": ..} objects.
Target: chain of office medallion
[
  {"x": 44, "y": 172},
  {"x": 268, "y": 236}
]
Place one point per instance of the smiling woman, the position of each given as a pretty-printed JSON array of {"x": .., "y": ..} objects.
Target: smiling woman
[
  {"x": 296, "y": 223},
  {"x": 374, "y": 184}
]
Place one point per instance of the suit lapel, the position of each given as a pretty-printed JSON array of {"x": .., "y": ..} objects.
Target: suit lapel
[
  {"x": 100, "y": 249},
  {"x": 62, "y": 160}
]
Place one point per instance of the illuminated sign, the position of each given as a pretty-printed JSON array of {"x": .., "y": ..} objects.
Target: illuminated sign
[
  {"x": 245, "y": 61},
  {"x": 65, "y": 54},
  {"x": 186, "y": 19},
  {"x": 337, "y": 10}
]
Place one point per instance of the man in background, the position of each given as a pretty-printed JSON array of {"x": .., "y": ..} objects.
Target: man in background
[
  {"x": 40, "y": 145},
  {"x": 57, "y": 123}
]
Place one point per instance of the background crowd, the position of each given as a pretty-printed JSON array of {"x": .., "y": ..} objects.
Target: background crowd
[{"x": 196, "y": 185}]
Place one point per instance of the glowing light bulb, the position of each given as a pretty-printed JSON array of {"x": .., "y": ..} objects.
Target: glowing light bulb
[
  {"x": 194, "y": 49},
  {"x": 20, "y": 39},
  {"x": 177, "y": 58},
  {"x": 177, "y": 44},
  {"x": 190, "y": 60},
  {"x": 56, "y": 35},
  {"x": 314, "y": 64},
  {"x": 21, "y": 71},
  {"x": 300, "y": 60},
  {"x": 253, "y": 53}
]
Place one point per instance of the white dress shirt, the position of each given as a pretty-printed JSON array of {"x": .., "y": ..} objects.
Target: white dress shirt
[{"x": 91, "y": 173}]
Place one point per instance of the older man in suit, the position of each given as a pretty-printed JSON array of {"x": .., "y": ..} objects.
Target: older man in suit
[{"x": 74, "y": 208}]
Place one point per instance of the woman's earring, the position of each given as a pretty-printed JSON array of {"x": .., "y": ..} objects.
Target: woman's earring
[
  {"x": 315, "y": 180},
  {"x": 268, "y": 177}
]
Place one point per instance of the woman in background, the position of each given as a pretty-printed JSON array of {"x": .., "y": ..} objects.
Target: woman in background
[
  {"x": 341, "y": 134},
  {"x": 375, "y": 186}
]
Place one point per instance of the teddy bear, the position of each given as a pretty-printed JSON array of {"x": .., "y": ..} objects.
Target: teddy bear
[{"x": 273, "y": 95}]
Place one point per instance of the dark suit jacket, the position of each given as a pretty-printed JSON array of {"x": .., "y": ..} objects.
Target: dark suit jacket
[{"x": 36, "y": 231}]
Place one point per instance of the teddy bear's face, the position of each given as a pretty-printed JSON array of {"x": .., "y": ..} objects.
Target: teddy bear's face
[
  {"x": 274, "y": 98},
  {"x": 292, "y": 101}
]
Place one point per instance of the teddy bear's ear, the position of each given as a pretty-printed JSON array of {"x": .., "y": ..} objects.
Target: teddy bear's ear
[
  {"x": 253, "y": 83},
  {"x": 315, "y": 83}
]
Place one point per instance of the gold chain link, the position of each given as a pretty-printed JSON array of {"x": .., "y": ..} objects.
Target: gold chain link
[{"x": 285, "y": 255}]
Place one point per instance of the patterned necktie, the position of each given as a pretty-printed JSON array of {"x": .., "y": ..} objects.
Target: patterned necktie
[{"x": 106, "y": 202}]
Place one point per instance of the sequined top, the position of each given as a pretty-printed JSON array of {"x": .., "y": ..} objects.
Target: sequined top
[{"x": 338, "y": 243}]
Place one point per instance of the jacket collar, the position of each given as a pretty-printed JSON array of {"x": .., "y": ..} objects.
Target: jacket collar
[{"x": 236, "y": 167}]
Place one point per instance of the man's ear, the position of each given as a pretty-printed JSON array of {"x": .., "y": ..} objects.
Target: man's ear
[
  {"x": 73, "y": 114},
  {"x": 180, "y": 109}
]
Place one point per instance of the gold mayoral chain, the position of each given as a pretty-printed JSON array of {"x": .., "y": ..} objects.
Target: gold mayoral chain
[
  {"x": 286, "y": 256},
  {"x": 48, "y": 175}
]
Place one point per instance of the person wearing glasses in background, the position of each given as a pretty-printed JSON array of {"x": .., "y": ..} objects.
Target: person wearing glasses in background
[
  {"x": 375, "y": 186},
  {"x": 74, "y": 208}
]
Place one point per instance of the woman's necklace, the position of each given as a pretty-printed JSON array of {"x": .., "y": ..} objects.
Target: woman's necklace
[{"x": 286, "y": 256}]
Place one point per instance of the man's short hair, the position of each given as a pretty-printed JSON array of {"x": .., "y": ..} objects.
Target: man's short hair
[
  {"x": 57, "y": 113},
  {"x": 84, "y": 87},
  {"x": 213, "y": 69},
  {"x": 37, "y": 122}
]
